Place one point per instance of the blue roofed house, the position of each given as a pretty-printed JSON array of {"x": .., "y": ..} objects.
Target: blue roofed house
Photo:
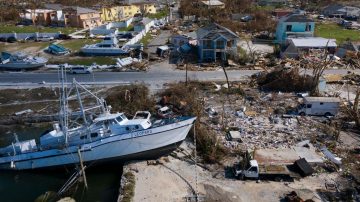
[
  {"x": 215, "y": 43},
  {"x": 293, "y": 26}
]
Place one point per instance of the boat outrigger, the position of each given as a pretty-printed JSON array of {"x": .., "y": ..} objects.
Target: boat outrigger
[{"x": 107, "y": 137}]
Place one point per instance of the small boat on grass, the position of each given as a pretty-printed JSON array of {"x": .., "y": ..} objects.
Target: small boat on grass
[
  {"x": 57, "y": 49},
  {"x": 20, "y": 61},
  {"x": 108, "y": 47}
]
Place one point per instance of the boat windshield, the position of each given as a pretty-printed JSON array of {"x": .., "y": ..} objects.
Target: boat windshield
[{"x": 119, "y": 119}]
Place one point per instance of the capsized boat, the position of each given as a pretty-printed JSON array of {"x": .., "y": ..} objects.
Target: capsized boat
[
  {"x": 105, "y": 137},
  {"x": 57, "y": 49},
  {"x": 108, "y": 47},
  {"x": 20, "y": 61}
]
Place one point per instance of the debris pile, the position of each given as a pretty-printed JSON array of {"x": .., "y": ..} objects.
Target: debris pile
[{"x": 285, "y": 80}]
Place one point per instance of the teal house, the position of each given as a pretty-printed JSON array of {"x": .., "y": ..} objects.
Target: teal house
[
  {"x": 215, "y": 43},
  {"x": 294, "y": 26}
]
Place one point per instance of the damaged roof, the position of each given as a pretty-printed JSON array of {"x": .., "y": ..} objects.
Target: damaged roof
[
  {"x": 213, "y": 31},
  {"x": 297, "y": 18},
  {"x": 313, "y": 42}
]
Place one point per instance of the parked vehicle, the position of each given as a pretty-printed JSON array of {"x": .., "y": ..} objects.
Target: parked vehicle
[
  {"x": 11, "y": 39},
  {"x": 3, "y": 39},
  {"x": 64, "y": 37},
  {"x": 246, "y": 18},
  {"x": 321, "y": 17},
  {"x": 321, "y": 106},
  {"x": 252, "y": 170},
  {"x": 30, "y": 38},
  {"x": 44, "y": 38},
  {"x": 80, "y": 70}
]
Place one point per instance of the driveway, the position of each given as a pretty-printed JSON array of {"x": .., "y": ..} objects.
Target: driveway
[
  {"x": 159, "y": 40},
  {"x": 258, "y": 48}
]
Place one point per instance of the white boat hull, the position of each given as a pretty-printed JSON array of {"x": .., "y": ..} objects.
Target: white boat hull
[
  {"x": 103, "y": 51},
  {"x": 136, "y": 145},
  {"x": 20, "y": 66}
]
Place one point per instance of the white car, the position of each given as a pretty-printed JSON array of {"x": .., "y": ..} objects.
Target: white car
[
  {"x": 44, "y": 38},
  {"x": 80, "y": 70}
]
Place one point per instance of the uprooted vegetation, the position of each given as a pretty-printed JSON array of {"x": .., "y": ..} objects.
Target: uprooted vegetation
[
  {"x": 129, "y": 99},
  {"x": 188, "y": 100},
  {"x": 286, "y": 81}
]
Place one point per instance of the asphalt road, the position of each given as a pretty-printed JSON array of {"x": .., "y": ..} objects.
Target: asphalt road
[{"x": 156, "y": 76}]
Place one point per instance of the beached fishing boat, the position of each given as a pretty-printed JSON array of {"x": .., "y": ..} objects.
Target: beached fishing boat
[{"x": 86, "y": 136}]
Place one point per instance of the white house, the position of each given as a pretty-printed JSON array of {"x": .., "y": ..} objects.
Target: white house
[{"x": 296, "y": 46}]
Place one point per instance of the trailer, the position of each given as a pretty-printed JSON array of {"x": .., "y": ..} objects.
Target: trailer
[{"x": 320, "y": 106}]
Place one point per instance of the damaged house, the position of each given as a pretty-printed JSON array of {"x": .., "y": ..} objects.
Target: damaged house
[
  {"x": 215, "y": 43},
  {"x": 294, "y": 47},
  {"x": 293, "y": 26}
]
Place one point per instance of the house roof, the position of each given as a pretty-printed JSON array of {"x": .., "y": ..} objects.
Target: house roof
[
  {"x": 341, "y": 9},
  {"x": 80, "y": 10},
  {"x": 53, "y": 6},
  {"x": 296, "y": 18},
  {"x": 213, "y": 31},
  {"x": 213, "y": 3},
  {"x": 144, "y": 21},
  {"x": 191, "y": 35},
  {"x": 321, "y": 99}
]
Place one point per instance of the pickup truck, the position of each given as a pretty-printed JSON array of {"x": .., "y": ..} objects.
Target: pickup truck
[{"x": 270, "y": 172}]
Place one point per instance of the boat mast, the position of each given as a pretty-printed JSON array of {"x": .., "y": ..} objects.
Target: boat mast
[
  {"x": 80, "y": 103},
  {"x": 63, "y": 105}
]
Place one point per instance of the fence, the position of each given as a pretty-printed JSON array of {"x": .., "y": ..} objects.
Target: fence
[
  {"x": 22, "y": 36},
  {"x": 110, "y": 28},
  {"x": 147, "y": 28}
]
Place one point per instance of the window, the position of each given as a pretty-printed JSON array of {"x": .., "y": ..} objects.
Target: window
[
  {"x": 119, "y": 119},
  {"x": 288, "y": 28},
  {"x": 253, "y": 169},
  {"x": 127, "y": 128},
  {"x": 83, "y": 137},
  {"x": 136, "y": 127},
  {"x": 219, "y": 44},
  {"x": 207, "y": 44},
  {"x": 321, "y": 103},
  {"x": 308, "y": 28},
  {"x": 308, "y": 105},
  {"x": 93, "y": 135}
]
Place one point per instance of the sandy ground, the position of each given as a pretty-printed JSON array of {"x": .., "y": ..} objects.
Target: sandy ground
[{"x": 174, "y": 180}]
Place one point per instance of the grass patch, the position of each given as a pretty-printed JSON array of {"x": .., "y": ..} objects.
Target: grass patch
[
  {"x": 129, "y": 188},
  {"x": 32, "y": 29},
  {"x": 76, "y": 44},
  {"x": 19, "y": 46},
  {"x": 99, "y": 60},
  {"x": 146, "y": 39},
  {"x": 158, "y": 15},
  {"x": 336, "y": 32}
]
